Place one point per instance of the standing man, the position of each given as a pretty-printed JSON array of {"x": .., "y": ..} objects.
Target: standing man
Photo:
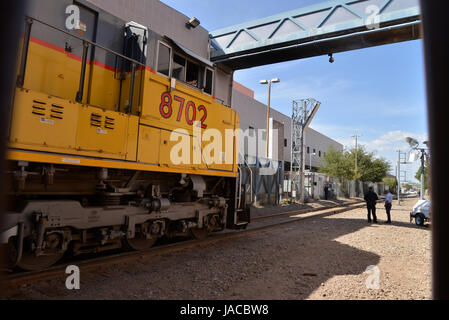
[
  {"x": 388, "y": 205},
  {"x": 326, "y": 191},
  {"x": 371, "y": 199}
]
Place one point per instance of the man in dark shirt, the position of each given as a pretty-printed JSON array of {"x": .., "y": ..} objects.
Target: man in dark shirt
[{"x": 371, "y": 199}]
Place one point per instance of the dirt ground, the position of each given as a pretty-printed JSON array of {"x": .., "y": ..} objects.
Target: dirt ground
[{"x": 321, "y": 258}]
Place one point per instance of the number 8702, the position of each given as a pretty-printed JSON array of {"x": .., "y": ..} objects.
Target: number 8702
[{"x": 189, "y": 110}]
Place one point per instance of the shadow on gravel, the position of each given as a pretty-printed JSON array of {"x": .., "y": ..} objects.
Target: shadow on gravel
[
  {"x": 311, "y": 256},
  {"x": 410, "y": 225}
]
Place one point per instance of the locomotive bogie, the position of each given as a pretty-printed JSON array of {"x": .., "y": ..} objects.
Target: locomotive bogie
[{"x": 49, "y": 227}]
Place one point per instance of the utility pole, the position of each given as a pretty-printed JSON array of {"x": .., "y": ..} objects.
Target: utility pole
[
  {"x": 357, "y": 136},
  {"x": 414, "y": 144},
  {"x": 423, "y": 167},
  {"x": 303, "y": 156},
  {"x": 400, "y": 153},
  {"x": 303, "y": 113},
  {"x": 399, "y": 177}
]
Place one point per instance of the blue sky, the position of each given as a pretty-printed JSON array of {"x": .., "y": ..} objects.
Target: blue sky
[{"x": 377, "y": 92}]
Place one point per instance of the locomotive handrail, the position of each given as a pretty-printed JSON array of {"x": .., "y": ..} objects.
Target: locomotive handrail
[
  {"x": 86, "y": 43},
  {"x": 251, "y": 178},
  {"x": 89, "y": 42}
]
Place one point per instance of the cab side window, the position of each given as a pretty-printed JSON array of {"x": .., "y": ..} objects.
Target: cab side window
[
  {"x": 183, "y": 69},
  {"x": 164, "y": 57},
  {"x": 193, "y": 74},
  {"x": 208, "y": 81},
  {"x": 179, "y": 67}
]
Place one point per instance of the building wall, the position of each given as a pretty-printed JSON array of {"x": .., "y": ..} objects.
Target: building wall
[
  {"x": 242, "y": 89},
  {"x": 321, "y": 144},
  {"x": 254, "y": 114}
]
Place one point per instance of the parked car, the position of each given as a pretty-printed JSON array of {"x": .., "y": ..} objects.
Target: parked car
[{"x": 421, "y": 212}]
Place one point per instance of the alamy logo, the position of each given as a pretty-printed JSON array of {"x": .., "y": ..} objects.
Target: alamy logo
[
  {"x": 73, "y": 20},
  {"x": 73, "y": 280},
  {"x": 214, "y": 147},
  {"x": 373, "y": 280}
]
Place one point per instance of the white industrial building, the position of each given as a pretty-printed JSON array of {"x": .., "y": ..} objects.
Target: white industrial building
[{"x": 253, "y": 117}]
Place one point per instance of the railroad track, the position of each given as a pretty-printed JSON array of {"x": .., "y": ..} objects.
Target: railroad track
[{"x": 99, "y": 263}]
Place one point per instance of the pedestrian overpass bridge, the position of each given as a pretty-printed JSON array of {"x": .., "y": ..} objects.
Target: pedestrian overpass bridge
[{"x": 325, "y": 28}]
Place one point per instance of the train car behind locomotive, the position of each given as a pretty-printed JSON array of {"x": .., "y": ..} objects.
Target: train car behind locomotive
[{"x": 103, "y": 111}]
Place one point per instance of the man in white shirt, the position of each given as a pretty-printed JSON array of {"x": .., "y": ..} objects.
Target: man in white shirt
[{"x": 388, "y": 205}]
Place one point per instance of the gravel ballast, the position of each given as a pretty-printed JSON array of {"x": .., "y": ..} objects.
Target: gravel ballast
[{"x": 320, "y": 258}]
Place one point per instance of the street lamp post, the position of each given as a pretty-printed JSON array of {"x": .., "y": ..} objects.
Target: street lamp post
[
  {"x": 269, "y": 82},
  {"x": 399, "y": 177}
]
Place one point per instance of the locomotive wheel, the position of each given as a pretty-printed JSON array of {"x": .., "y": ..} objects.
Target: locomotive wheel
[
  {"x": 199, "y": 234},
  {"x": 140, "y": 244},
  {"x": 30, "y": 262}
]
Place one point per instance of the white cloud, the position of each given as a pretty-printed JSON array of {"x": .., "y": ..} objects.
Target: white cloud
[
  {"x": 387, "y": 146},
  {"x": 393, "y": 141}
]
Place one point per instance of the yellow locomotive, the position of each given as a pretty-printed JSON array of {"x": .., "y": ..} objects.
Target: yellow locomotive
[{"x": 91, "y": 147}]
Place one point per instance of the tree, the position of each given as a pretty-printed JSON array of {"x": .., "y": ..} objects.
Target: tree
[
  {"x": 391, "y": 183},
  {"x": 337, "y": 164},
  {"x": 341, "y": 164},
  {"x": 369, "y": 169}
]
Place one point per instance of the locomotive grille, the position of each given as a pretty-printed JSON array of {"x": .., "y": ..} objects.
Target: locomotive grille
[
  {"x": 109, "y": 123},
  {"x": 95, "y": 120},
  {"x": 39, "y": 108},
  {"x": 57, "y": 112}
]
